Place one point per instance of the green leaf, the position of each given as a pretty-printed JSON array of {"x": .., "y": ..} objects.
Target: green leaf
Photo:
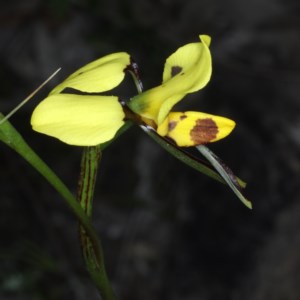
[
  {"x": 231, "y": 180},
  {"x": 182, "y": 155},
  {"x": 11, "y": 137},
  {"x": 223, "y": 174}
]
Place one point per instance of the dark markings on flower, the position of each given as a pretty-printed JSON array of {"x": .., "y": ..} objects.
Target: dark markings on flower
[
  {"x": 133, "y": 68},
  {"x": 175, "y": 70},
  {"x": 204, "y": 131},
  {"x": 182, "y": 117},
  {"x": 172, "y": 125},
  {"x": 129, "y": 114}
]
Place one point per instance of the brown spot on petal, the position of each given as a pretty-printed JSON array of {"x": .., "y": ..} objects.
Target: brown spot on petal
[
  {"x": 204, "y": 131},
  {"x": 175, "y": 70},
  {"x": 172, "y": 125},
  {"x": 182, "y": 117}
]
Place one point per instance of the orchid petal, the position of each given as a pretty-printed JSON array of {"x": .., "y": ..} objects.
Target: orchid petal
[
  {"x": 79, "y": 119},
  {"x": 186, "y": 71},
  {"x": 191, "y": 128},
  {"x": 98, "y": 76}
]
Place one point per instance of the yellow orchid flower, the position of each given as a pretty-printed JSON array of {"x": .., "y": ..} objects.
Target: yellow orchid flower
[
  {"x": 88, "y": 120},
  {"x": 186, "y": 71}
]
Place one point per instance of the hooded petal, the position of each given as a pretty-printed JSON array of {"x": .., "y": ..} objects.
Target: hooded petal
[
  {"x": 195, "y": 128},
  {"x": 98, "y": 76},
  {"x": 79, "y": 120},
  {"x": 186, "y": 71}
]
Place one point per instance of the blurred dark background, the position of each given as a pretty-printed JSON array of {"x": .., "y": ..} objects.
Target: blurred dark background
[{"x": 168, "y": 231}]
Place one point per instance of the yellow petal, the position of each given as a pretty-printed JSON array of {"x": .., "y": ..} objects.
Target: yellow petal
[
  {"x": 186, "y": 71},
  {"x": 195, "y": 128},
  {"x": 79, "y": 120},
  {"x": 98, "y": 76},
  {"x": 188, "y": 61}
]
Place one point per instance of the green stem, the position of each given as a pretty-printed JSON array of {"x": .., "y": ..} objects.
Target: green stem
[
  {"x": 94, "y": 262},
  {"x": 11, "y": 137}
]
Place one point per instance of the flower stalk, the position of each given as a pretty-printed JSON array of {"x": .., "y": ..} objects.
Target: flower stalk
[
  {"x": 12, "y": 138},
  {"x": 93, "y": 257}
]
